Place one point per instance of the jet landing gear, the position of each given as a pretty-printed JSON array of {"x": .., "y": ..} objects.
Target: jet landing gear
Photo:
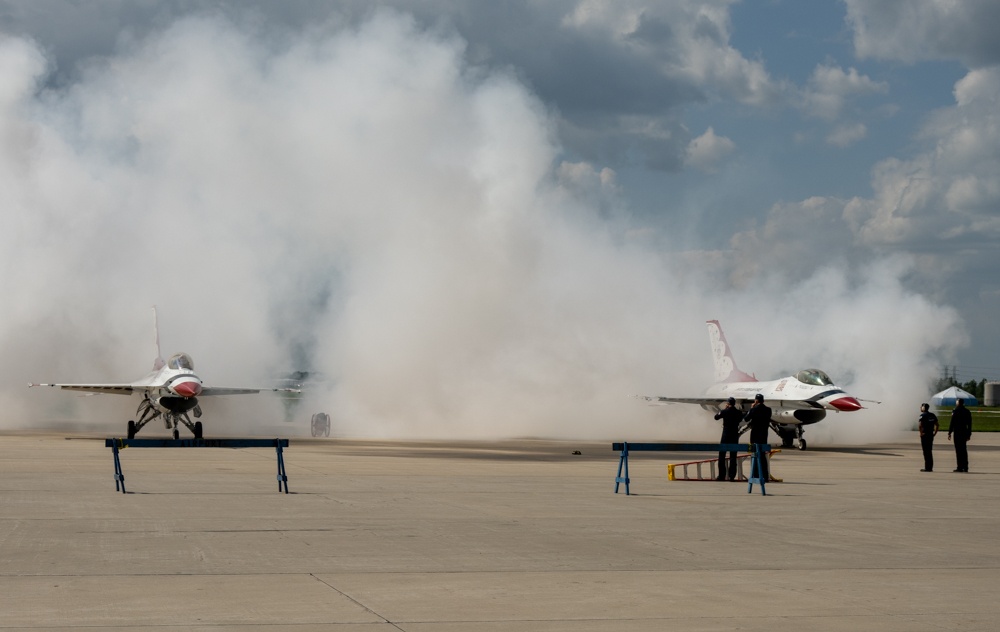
[
  {"x": 196, "y": 429},
  {"x": 178, "y": 419},
  {"x": 791, "y": 436},
  {"x": 147, "y": 412}
]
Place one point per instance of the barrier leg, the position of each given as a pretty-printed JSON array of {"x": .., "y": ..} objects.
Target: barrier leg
[
  {"x": 119, "y": 476},
  {"x": 756, "y": 469},
  {"x": 282, "y": 477},
  {"x": 623, "y": 462}
]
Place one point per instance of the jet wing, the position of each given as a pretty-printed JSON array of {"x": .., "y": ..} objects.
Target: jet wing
[
  {"x": 719, "y": 402},
  {"x": 114, "y": 389},
  {"x": 219, "y": 390},
  {"x": 700, "y": 401},
  {"x": 128, "y": 389}
]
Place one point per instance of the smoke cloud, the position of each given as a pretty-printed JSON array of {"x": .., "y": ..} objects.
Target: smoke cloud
[{"x": 361, "y": 201}]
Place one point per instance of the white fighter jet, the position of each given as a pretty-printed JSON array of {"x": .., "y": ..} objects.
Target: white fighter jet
[
  {"x": 170, "y": 391},
  {"x": 795, "y": 401}
]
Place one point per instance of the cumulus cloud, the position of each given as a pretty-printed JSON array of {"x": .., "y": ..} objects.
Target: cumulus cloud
[
  {"x": 366, "y": 200},
  {"x": 805, "y": 235},
  {"x": 846, "y": 135},
  {"x": 706, "y": 151},
  {"x": 830, "y": 87},
  {"x": 620, "y": 73},
  {"x": 915, "y": 30},
  {"x": 600, "y": 187},
  {"x": 948, "y": 189}
]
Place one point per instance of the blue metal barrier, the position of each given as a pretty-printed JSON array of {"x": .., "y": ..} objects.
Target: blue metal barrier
[
  {"x": 756, "y": 450},
  {"x": 120, "y": 444}
]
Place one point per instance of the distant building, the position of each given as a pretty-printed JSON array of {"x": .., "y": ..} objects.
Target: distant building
[{"x": 991, "y": 394}]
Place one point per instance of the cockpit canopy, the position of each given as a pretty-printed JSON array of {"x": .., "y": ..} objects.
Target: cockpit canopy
[
  {"x": 814, "y": 377},
  {"x": 181, "y": 361}
]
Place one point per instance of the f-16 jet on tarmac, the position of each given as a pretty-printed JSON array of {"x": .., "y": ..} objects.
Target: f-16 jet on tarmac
[
  {"x": 170, "y": 392},
  {"x": 795, "y": 400}
]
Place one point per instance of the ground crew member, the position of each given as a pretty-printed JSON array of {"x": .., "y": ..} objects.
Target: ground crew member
[
  {"x": 759, "y": 419},
  {"x": 961, "y": 426},
  {"x": 731, "y": 417},
  {"x": 928, "y": 427}
]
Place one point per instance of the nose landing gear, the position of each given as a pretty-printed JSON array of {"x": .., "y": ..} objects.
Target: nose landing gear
[{"x": 791, "y": 436}]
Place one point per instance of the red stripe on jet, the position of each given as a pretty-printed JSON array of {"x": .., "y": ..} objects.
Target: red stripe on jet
[{"x": 846, "y": 404}]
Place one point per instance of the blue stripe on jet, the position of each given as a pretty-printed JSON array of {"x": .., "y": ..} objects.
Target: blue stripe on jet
[{"x": 816, "y": 398}]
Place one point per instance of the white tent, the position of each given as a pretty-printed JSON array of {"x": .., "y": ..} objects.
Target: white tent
[{"x": 948, "y": 396}]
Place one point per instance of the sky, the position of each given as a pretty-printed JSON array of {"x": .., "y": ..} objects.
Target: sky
[{"x": 499, "y": 219}]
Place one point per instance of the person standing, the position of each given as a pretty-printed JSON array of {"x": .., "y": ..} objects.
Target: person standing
[
  {"x": 961, "y": 427},
  {"x": 731, "y": 417},
  {"x": 928, "y": 427},
  {"x": 759, "y": 419}
]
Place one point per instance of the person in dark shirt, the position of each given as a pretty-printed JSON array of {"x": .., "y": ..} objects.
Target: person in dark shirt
[
  {"x": 961, "y": 427},
  {"x": 928, "y": 427},
  {"x": 731, "y": 417},
  {"x": 759, "y": 419}
]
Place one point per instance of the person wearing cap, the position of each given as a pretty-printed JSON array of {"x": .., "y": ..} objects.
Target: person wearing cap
[
  {"x": 961, "y": 426},
  {"x": 759, "y": 420},
  {"x": 731, "y": 417}
]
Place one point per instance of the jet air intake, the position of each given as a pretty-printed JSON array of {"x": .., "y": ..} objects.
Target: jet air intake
[
  {"x": 177, "y": 404},
  {"x": 799, "y": 415}
]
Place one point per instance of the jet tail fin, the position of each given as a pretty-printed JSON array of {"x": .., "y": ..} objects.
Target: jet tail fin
[
  {"x": 725, "y": 365},
  {"x": 159, "y": 362}
]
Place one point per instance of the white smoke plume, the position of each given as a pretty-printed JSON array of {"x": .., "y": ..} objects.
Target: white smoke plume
[{"x": 361, "y": 201}]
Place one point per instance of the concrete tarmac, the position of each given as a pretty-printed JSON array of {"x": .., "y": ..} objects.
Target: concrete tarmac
[{"x": 509, "y": 536}]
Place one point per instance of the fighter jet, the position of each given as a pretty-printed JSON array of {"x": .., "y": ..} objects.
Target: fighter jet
[
  {"x": 170, "y": 392},
  {"x": 795, "y": 401}
]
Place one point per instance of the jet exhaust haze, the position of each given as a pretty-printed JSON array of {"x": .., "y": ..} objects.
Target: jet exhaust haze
[{"x": 362, "y": 201}]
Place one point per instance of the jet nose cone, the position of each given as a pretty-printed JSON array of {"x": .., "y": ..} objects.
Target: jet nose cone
[
  {"x": 187, "y": 389},
  {"x": 846, "y": 404}
]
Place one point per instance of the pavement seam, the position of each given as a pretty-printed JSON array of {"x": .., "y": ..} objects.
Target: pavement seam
[{"x": 355, "y": 601}]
